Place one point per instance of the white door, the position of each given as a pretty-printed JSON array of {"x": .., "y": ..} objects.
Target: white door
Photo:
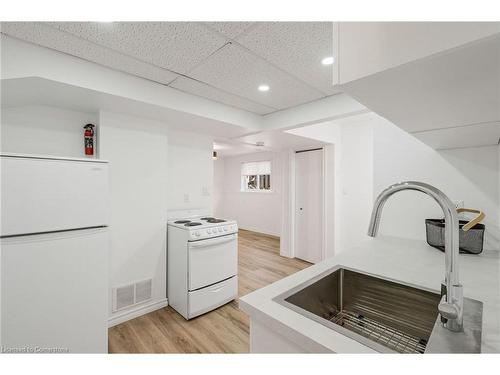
[{"x": 309, "y": 205}]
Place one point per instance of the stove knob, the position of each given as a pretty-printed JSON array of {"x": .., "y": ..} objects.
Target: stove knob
[
  {"x": 197, "y": 234},
  {"x": 209, "y": 231},
  {"x": 225, "y": 229},
  {"x": 220, "y": 229}
]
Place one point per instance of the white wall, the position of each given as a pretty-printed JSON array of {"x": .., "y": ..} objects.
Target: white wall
[
  {"x": 468, "y": 174},
  {"x": 287, "y": 203},
  {"x": 44, "y": 130},
  {"x": 255, "y": 211},
  {"x": 371, "y": 154},
  {"x": 349, "y": 178},
  {"x": 331, "y": 186},
  {"x": 218, "y": 190},
  {"x": 137, "y": 151},
  {"x": 354, "y": 197},
  {"x": 151, "y": 169},
  {"x": 190, "y": 170}
]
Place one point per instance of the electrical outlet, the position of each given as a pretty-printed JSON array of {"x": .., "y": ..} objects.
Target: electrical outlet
[
  {"x": 186, "y": 198},
  {"x": 205, "y": 192},
  {"x": 459, "y": 204}
]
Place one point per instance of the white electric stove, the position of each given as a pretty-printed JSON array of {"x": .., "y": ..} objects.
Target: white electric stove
[{"x": 202, "y": 262}]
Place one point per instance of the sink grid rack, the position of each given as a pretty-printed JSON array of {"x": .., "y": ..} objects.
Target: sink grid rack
[{"x": 389, "y": 337}]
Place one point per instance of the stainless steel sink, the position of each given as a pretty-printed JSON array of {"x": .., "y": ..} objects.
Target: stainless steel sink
[{"x": 383, "y": 314}]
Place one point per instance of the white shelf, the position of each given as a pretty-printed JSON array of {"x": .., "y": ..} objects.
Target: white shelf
[{"x": 50, "y": 157}]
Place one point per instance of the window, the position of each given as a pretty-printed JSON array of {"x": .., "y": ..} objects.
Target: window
[{"x": 256, "y": 176}]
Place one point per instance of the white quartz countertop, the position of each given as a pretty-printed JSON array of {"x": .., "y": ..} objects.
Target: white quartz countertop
[{"x": 409, "y": 261}]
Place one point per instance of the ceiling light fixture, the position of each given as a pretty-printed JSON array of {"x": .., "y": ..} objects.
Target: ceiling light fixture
[
  {"x": 263, "y": 88},
  {"x": 328, "y": 60}
]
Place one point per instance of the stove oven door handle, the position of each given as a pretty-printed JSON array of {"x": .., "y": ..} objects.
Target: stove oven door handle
[{"x": 212, "y": 241}]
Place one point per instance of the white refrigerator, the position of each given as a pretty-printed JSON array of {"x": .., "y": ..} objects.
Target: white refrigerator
[{"x": 53, "y": 255}]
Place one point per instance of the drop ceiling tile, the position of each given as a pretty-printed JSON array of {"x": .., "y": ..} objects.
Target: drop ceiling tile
[
  {"x": 136, "y": 67},
  {"x": 230, "y": 29},
  {"x": 177, "y": 46},
  {"x": 235, "y": 70},
  {"x": 86, "y": 30},
  {"x": 47, "y": 36},
  {"x": 192, "y": 86},
  {"x": 296, "y": 47}
]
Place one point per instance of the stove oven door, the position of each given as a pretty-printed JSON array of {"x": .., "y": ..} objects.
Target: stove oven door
[{"x": 212, "y": 260}]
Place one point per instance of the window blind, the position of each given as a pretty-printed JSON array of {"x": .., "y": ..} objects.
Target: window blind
[{"x": 255, "y": 168}]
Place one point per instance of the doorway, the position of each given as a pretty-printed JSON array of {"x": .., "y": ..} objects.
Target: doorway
[{"x": 309, "y": 185}]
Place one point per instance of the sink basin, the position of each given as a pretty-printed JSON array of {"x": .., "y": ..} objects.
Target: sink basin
[{"x": 383, "y": 314}]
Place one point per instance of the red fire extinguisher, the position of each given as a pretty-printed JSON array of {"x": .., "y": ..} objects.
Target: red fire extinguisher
[{"x": 88, "y": 136}]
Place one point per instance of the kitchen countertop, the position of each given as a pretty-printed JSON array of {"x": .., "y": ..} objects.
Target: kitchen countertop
[{"x": 409, "y": 261}]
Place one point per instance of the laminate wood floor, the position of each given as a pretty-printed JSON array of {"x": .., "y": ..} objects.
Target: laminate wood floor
[{"x": 224, "y": 330}]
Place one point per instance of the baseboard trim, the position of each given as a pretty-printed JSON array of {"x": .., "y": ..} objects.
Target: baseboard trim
[{"x": 136, "y": 312}]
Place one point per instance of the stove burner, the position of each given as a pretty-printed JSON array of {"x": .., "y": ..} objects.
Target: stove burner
[
  {"x": 207, "y": 218},
  {"x": 192, "y": 224},
  {"x": 182, "y": 221},
  {"x": 213, "y": 220}
]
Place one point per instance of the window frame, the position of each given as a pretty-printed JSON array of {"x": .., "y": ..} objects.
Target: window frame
[{"x": 243, "y": 184}]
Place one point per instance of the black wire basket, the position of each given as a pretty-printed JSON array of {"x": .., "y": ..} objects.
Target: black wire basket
[{"x": 470, "y": 242}]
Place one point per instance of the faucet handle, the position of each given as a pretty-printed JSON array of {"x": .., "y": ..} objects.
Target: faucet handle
[
  {"x": 447, "y": 309},
  {"x": 451, "y": 309}
]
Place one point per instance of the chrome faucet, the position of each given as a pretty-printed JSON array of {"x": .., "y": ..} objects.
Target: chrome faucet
[{"x": 451, "y": 305}]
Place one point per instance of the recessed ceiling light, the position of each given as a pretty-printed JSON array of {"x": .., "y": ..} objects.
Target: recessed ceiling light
[
  {"x": 263, "y": 88},
  {"x": 328, "y": 60}
]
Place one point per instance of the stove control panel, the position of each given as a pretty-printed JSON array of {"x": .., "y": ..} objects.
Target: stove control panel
[{"x": 215, "y": 231}]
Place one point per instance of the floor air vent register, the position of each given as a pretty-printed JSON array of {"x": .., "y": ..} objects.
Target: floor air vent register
[{"x": 132, "y": 294}]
